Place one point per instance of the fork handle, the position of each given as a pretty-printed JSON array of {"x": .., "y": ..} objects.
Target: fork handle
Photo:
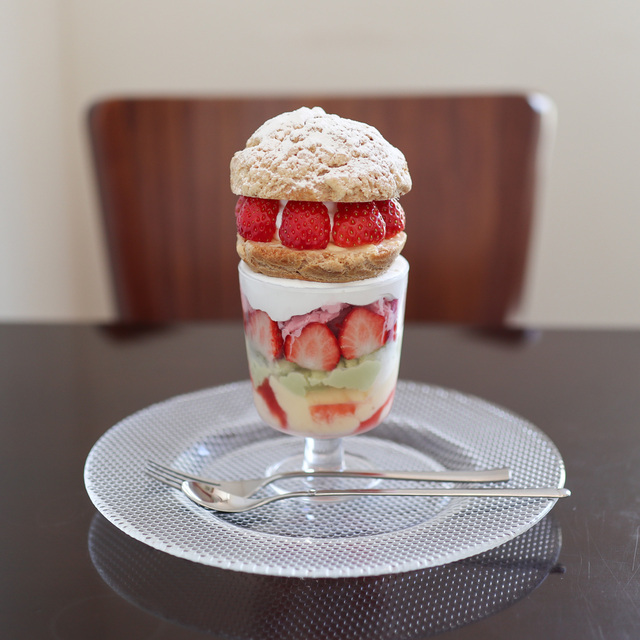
[{"x": 487, "y": 475}]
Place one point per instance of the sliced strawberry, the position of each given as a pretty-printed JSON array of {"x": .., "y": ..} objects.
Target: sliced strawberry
[
  {"x": 388, "y": 308},
  {"x": 361, "y": 333},
  {"x": 264, "y": 335},
  {"x": 266, "y": 392},
  {"x": 357, "y": 223},
  {"x": 305, "y": 225},
  {"x": 393, "y": 216},
  {"x": 256, "y": 218},
  {"x": 378, "y": 416},
  {"x": 239, "y": 205},
  {"x": 328, "y": 413},
  {"x": 316, "y": 348}
]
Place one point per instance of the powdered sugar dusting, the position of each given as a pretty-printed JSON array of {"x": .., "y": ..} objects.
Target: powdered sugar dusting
[{"x": 308, "y": 154}]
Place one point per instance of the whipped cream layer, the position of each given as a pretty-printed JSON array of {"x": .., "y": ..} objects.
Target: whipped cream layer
[{"x": 282, "y": 298}]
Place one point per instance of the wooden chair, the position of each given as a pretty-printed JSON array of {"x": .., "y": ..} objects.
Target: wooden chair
[{"x": 162, "y": 168}]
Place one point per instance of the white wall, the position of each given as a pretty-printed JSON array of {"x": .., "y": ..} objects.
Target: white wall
[{"x": 60, "y": 55}]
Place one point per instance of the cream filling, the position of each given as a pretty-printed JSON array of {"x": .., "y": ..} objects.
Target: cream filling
[
  {"x": 364, "y": 384},
  {"x": 299, "y": 410},
  {"x": 283, "y": 298}
]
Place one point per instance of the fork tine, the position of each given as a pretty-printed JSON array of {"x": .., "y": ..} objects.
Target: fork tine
[
  {"x": 168, "y": 479},
  {"x": 175, "y": 473},
  {"x": 168, "y": 471}
]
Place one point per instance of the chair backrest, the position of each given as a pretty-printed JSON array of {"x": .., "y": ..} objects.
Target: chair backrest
[{"x": 162, "y": 167}]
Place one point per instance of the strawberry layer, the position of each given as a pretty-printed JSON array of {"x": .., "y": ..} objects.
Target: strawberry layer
[
  {"x": 352, "y": 397},
  {"x": 313, "y": 225}
]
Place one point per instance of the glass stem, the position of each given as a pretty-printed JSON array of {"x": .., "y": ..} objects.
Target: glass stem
[{"x": 323, "y": 454}]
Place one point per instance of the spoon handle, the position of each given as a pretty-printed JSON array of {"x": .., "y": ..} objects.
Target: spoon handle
[{"x": 458, "y": 492}]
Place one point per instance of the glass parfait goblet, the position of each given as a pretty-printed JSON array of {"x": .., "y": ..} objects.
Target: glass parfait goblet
[{"x": 323, "y": 359}]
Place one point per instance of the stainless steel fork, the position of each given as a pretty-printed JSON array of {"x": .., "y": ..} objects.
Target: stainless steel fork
[{"x": 247, "y": 487}]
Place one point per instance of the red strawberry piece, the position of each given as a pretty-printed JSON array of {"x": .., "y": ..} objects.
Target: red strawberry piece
[
  {"x": 264, "y": 335},
  {"x": 305, "y": 225},
  {"x": 357, "y": 223},
  {"x": 388, "y": 308},
  {"x": 269, "y": 397},
  {"x": 240, "y": 204},
  {"x": 256, "y": 218},
  {"x": 328, "y": 413},
  {"x": 316, "y": 348},
  {"x": 361, "y": 333},
  {"x": 378, "y": 416},
  {"x": 393, "y": 215}
]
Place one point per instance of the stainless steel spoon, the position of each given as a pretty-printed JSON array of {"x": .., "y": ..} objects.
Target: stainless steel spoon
[{"x": 217, "y": 500}]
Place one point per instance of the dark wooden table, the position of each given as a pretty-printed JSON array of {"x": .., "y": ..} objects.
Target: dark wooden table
[{"x": 67, "y": 573}]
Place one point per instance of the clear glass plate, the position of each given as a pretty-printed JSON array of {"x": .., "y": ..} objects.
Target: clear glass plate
[
  {"x": 217, "y": 432},
  {"x": 410, "y": 606}
]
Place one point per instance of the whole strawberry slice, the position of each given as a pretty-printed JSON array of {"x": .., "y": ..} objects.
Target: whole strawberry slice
[
  {"x": 305, "y": 225},
  {"x": 263, "y": 334},
  {"x": 393, "y": 215},
  {"x": 316, "y": 348},
  {"x": 361, "y": 333},
  {"x": 357, "y": 223},
  {"x": 256, "y": 218}
]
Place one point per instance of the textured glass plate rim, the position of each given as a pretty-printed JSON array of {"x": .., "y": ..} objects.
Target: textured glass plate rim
[{"x": 96, "y": 460}]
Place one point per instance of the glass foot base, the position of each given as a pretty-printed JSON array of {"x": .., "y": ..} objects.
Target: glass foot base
[
  {"x": 350, "y": 462},
  {"x": 277, "y": 455}
]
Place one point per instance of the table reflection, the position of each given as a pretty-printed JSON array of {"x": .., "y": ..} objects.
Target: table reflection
[{"x": 410, "y": 605}]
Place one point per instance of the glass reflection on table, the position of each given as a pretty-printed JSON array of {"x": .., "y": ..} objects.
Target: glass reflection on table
[{"x": 410, "y": 605}]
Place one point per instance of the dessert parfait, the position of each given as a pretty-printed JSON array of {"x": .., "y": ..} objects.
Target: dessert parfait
[{"x": 320, "y": 230}]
